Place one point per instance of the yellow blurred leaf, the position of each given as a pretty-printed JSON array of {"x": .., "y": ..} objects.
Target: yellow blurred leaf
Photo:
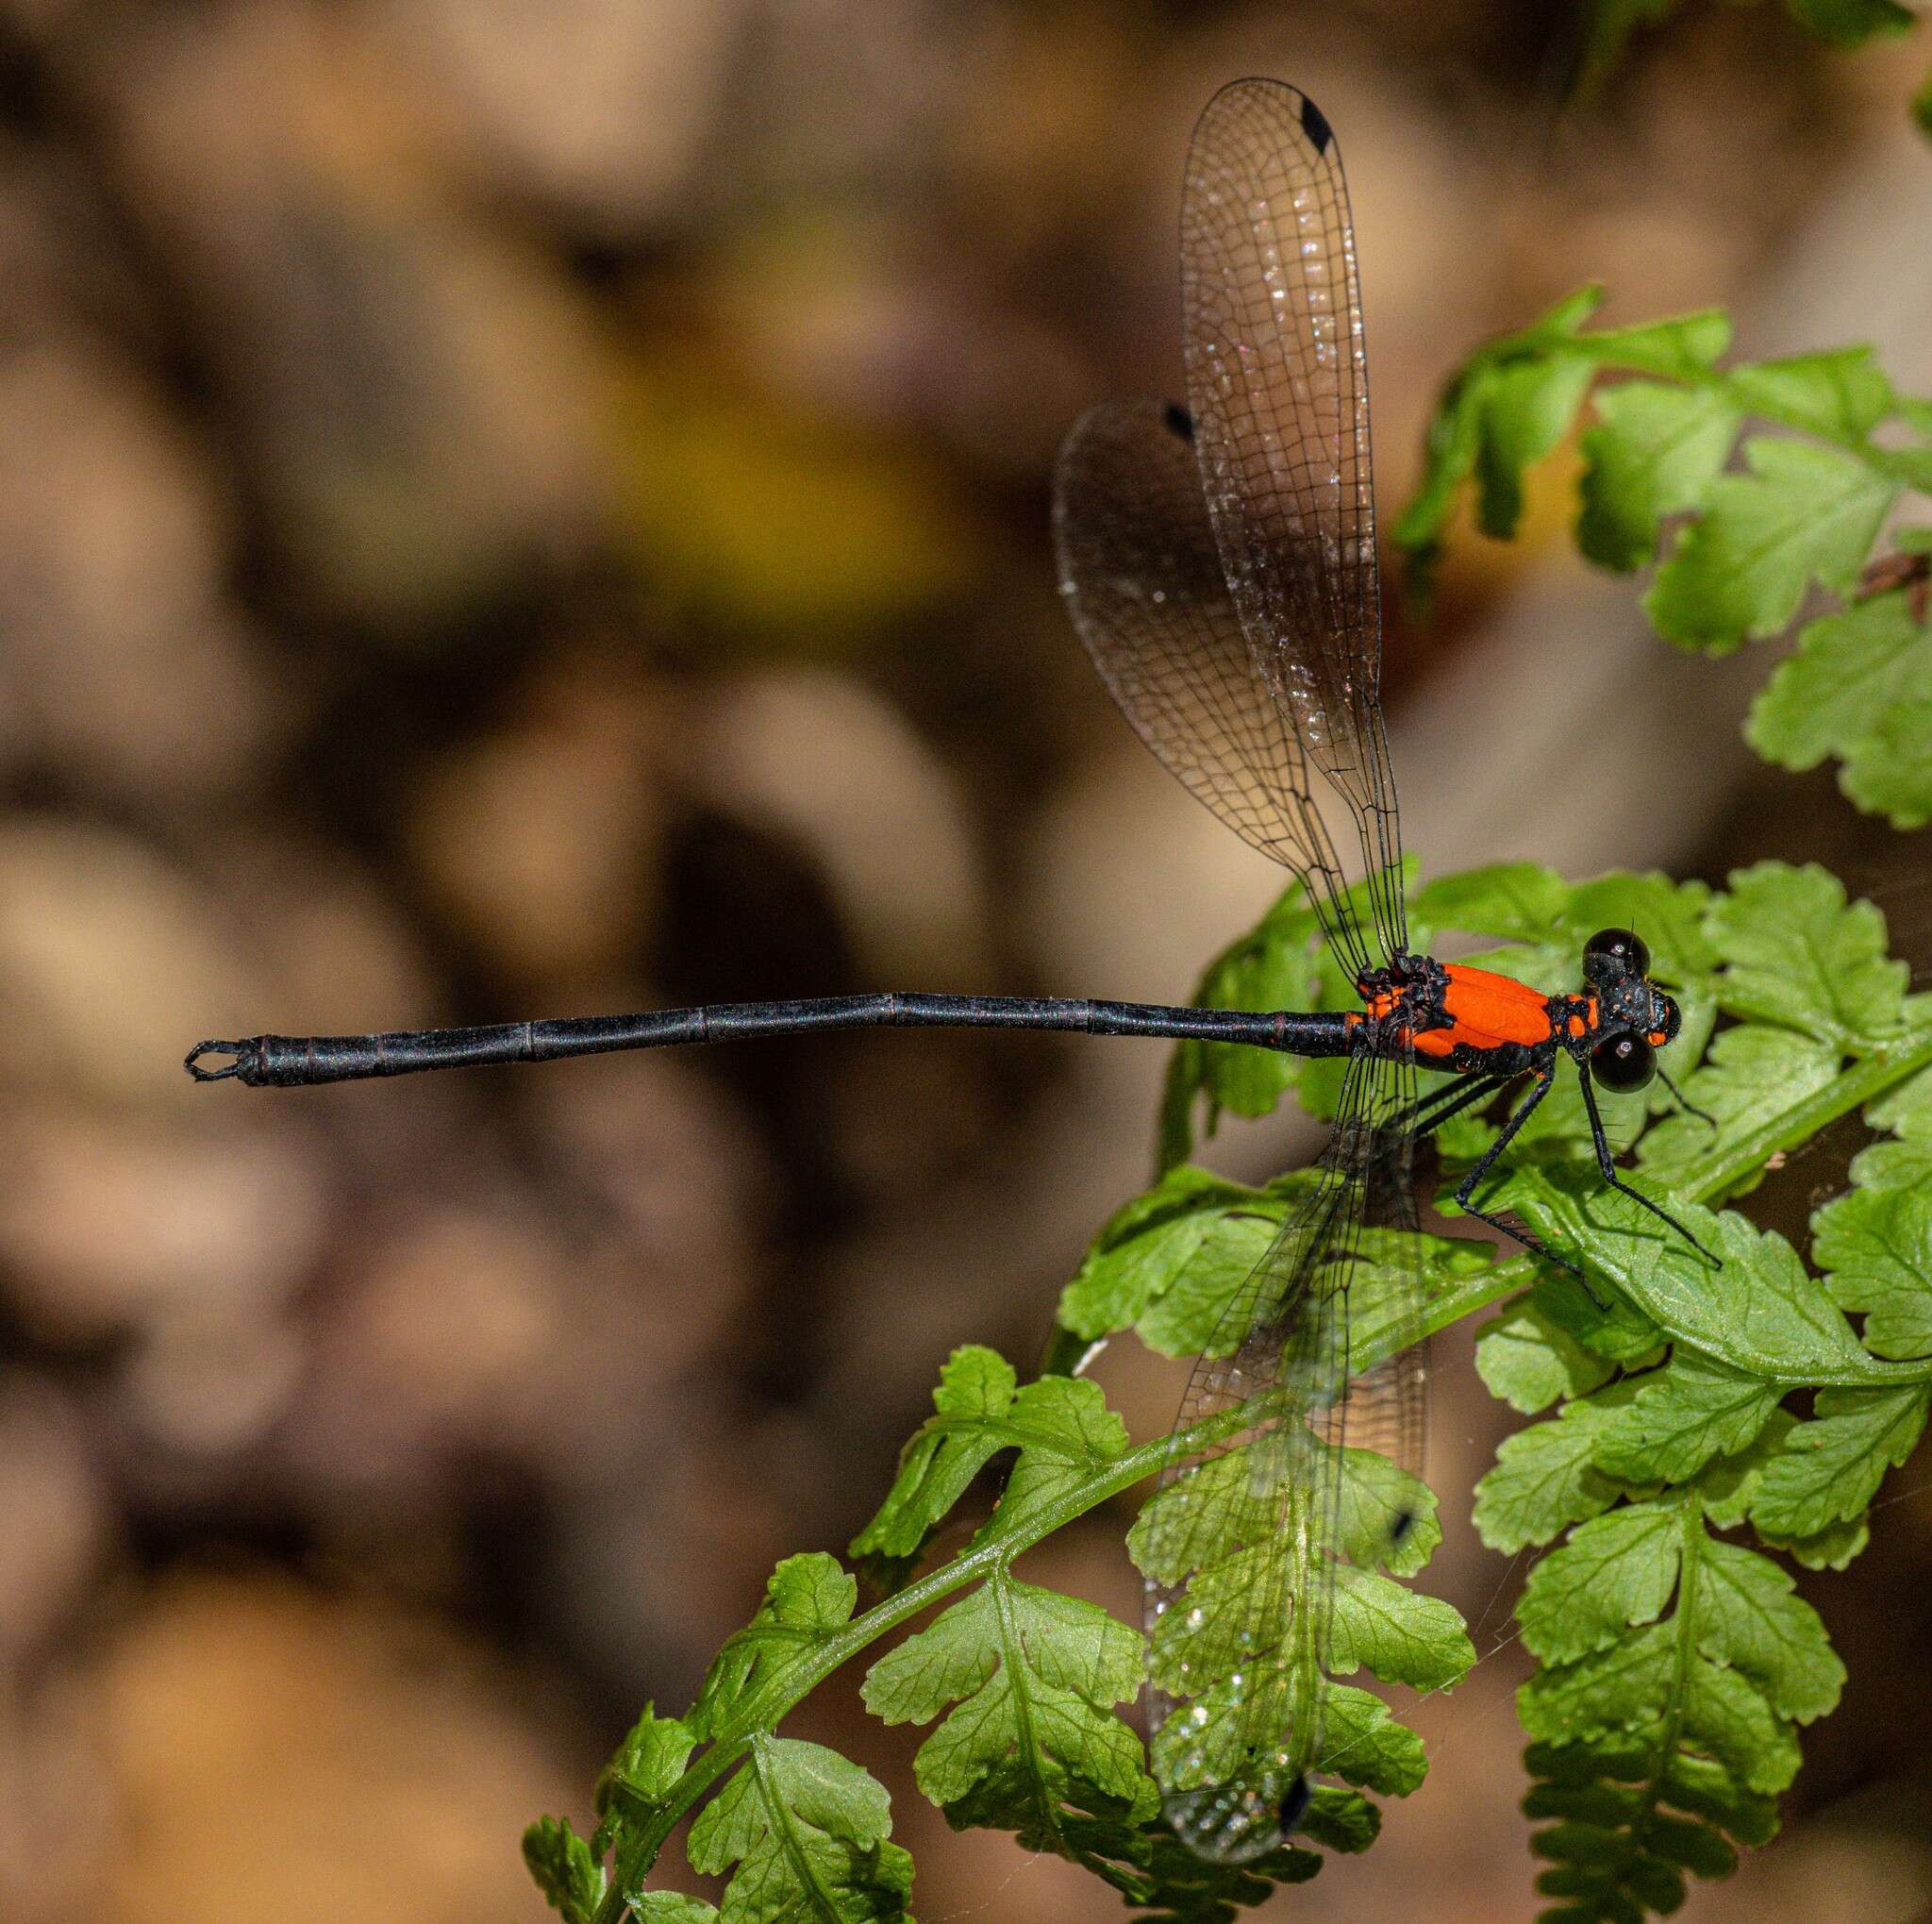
[{"x": 754, "y": 515}]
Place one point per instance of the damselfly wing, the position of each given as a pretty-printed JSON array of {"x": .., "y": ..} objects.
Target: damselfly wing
[{"x": 1220, "y": 565}]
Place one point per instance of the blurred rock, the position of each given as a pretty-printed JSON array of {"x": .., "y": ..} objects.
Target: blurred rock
[
  {"x": 326, "y": 938},
  {"x": 110, "y": 968},
  {"x": 833, "y": 99},
  {"x": 112, "y": 1227},
  {"x": 417, "y": 394},
  {"x": 656, "y": 1567},
  {"x": 124, "y": 664},
  {"x": 538, "y": 838},
  {"x": 538, "y": 1333},
  {"x": 208, "y": 1382},
  {"x": 886, "y": 325},
  {"x": 451, "y": 1335},
  {"x": 823, "y": 762},
  {"x": 56, "y": 1807},
  {"x": 309, "y": 1722},
  {"x": 661, "y": 1145},
  {"x": 57, "y": 1522},
  {"x": 1132, "y": 885},
  {"x": 599, "y": 110},
  {"x": 64, "y": 264}
]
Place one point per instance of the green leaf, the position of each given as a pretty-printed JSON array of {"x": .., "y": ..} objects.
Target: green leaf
[
  {"x": 1704, "y": 1787},
  {"x": 1680, "y": 345},
  {"x": 1683, "y": 1414},
  {"x": 1607, "y": 24},
  {"x": 1775, "y": 1319},
  {"x": 1906, "y": 1110},
  {"x": 1527, "y": 409},
  {"x": 1750, "y": 1618},
  {"x": 1526, "y": 903},
  {"x": 1035, "y": 1676},
  {"x": 1273, "y": 966},
  {"x": 1841, "y": 393},
  {"x": 1512, "y": 900},
  {"x": 1875, "y": 1245},
  {"x": 1172, "y": 1265},
  {"x": 1186, "y": 1890},
  {"x": 1528, "y": 1361},
  {"x": 1670, "y": 916},
  {"x": 1892, "y": 775},
  {"x": 1753, "y": 1079},
  {"x": 1768, "y": 1318},
  {"x": 1456, "y": 440},
  {"x": 1802, "y": 513},
  {"x": 669, "y": 1907},
  {"x": 1202, "y": 1310},
  {"x": 1616, "y": 1570},
  {"x": 1154, "y": 1239},
  {"x": 1654, "y": 451},
  {"x": 1514, "y": 399},
  {"x": 807, "y": 1832},
  {"x": 1832, "y": 1549},
  {"x": 975, "y": 1390},
  {"x": 1241, "y": 1645},
  {"x": 1728, "y": 1487},
  {"x": 1717, "y": 1709},
  {"x": 1856, "y": 687},
  {"x": 1363, "y": 1744},
  {"x": 1066, "y": 1434},
  {"x": 565, "y": 1870},
  {"x": 1545, "y": 1478},
  {"x": 1830, "y": 1468},
  {"x": 1852, "y": 23},
  {"x": 1403, "y": 1637},
  {"x": 648, "y": 1762},
  {"x": 1797, "y": 955},
  {"x": 1384, "y": 1515},
  {"x": 807, "y": 1598}
]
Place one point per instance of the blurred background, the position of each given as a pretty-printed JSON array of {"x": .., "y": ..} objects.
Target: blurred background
[{"x": 517, "y": 510}]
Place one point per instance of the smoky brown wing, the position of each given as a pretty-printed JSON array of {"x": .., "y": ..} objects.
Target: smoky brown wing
[
  {"x": 1277, "y": 385},
  {"x": 1143, "y": 580}
]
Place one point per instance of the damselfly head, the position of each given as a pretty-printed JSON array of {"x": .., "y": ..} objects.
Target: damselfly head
[{"x": 1636, "y": 1016}]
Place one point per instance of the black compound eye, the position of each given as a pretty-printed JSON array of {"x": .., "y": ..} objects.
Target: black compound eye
[
  {"x": 1623, "y": 1064},
  {"x": 1619, "y": 945}
]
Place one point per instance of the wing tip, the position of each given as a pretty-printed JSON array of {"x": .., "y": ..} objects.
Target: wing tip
[
  {"x": 1230, "y": 1823},
  {"x": 1314, "y": 123}
]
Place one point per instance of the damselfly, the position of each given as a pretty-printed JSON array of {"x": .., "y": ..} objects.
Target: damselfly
[{"x": 1220, "y": 564}]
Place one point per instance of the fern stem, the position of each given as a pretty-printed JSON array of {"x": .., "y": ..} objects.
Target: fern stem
[
  {"x": 1689, "y": 1556},
  {"x": 1864, "y": 1082},
  {"x": 760, "y": 1712}
]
